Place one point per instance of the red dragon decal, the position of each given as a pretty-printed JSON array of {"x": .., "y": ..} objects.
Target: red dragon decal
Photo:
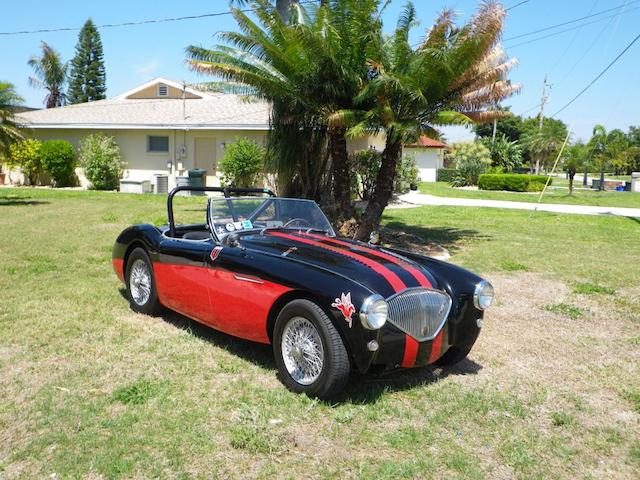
[{"x": 345, "y": 306}]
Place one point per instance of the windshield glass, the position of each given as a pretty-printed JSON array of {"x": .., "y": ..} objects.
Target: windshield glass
[{"x": 253, "y": 213}]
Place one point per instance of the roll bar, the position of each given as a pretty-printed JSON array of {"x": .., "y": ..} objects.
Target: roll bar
[{"x": 226, "y": 191}]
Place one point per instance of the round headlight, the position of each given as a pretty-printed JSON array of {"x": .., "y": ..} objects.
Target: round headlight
[
  {"x": 483, "y": 295},
  {"x": 374, "y": 312}
]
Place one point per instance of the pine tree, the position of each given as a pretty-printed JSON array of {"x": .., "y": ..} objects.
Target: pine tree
[{"x": 88, "y": 79}]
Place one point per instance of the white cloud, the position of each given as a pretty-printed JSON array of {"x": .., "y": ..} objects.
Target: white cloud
[{"x": 145, "y": 69}]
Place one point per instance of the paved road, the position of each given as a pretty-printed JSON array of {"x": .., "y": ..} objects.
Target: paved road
[{"x": 416, "y": 198}]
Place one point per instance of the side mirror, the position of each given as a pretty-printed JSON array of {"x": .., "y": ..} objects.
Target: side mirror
[{"x": 374, "y": 238}]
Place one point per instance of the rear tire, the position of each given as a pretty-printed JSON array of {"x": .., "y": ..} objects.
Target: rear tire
[
  {"x": 309, "y": 351},
  {"x": 452, "y": 356},
  {"x": 141, "y": 283}
]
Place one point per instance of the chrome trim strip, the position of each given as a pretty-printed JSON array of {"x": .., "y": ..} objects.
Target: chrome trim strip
[{"x": 248, "y": 279}]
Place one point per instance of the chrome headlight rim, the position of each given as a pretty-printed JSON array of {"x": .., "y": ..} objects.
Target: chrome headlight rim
[
  {"x": 367, "y": 308},
  {"x": 480, "y": 292}
]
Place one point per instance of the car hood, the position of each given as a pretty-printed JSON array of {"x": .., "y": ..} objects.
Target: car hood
[{"x": 377, "y": 269}]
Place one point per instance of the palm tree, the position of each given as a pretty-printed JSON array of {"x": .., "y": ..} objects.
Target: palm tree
[
  {"x": 575, "y": 159},
  {"x": 607, "y": 147},
  {"x": 545, "y": 143},
  {"x": 455, "y": 75},
  {"x": 9, "y": 129},
  {"x": 308, "y": 69},
  {"x": 51, "y": 74}
]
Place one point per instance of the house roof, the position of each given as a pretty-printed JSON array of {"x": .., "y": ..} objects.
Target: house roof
[
  {"x": 216, "y": 111},
  {"x": 426, "y": 142}
]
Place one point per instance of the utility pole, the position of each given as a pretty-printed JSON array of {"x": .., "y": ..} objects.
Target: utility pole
[{"x": 543, "y": 100}]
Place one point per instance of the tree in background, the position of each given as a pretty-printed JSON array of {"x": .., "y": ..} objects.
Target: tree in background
[
  {"x": 543, "y": 144},
  {"x": 9, "y": 129},
  {"x": 505, "y": 154},
  {"x": 607, "y": 147},
  {"x": 26, "y": 155},
  {"x": 510, "y": 126},
  {"x": 50, "y": 73},
  {"x": 87, "y": 81}
]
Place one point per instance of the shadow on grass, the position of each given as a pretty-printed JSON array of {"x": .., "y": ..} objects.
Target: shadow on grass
[
  {"x": 362, "y": 389},
  {"x": 16, "y": 201},
  {"x": 448, "y": 237}
]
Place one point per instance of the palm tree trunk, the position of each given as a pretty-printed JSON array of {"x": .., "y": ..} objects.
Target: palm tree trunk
[
  {"x": 383, "y": 190},
  {"x": 571, "y": 175},
  {"x": 601, "y": 180},
  {"x": 341, "y": 174},
  {"x": 282, "y": 6}
]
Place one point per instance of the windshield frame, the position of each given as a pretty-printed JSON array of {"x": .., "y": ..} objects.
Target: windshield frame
[{"x": 266, "y": 202}]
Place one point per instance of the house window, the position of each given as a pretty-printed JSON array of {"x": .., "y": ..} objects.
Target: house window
[
  {"x": 157, "y": 143},
  {"x": 163, "y": 90}
]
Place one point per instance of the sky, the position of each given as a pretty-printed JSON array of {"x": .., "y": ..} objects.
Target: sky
[{"x": 570, "y": 56}]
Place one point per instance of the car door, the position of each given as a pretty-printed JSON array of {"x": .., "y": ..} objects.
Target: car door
[{"x": 181, "y": 277}]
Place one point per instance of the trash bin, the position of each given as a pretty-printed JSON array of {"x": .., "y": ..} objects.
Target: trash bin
[
  {"x": 620, "y": 188},
  {"x": 197, "y": 179},
  {"x": 595, "y": 184}
]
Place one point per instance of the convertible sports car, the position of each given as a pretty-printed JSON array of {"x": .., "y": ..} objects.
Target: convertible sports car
[{"x": 272, "y": 270}]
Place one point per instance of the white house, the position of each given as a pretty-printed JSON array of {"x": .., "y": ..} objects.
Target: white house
[
  {"x": 166, "y": 128},
  {"x": 429, "y": 156}
]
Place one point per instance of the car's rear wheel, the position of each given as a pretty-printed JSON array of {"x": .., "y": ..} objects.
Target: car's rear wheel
[
  {"x": 141, "y": 285},
  {"x": 309, "y": 351}
]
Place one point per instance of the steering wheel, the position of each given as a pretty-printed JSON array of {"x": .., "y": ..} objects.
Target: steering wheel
[{"x": 294, "y": 220}]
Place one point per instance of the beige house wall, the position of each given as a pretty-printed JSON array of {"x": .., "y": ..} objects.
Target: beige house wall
[
  {"x": 152, "y": 92},
  {"x": 428, "y": 161}
]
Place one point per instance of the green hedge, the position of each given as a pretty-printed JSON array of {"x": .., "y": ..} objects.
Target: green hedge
[
  {"x": 59, "y": 160},
  {"x": 512, "y": 182},
  {"x": 446, "y": 174}
]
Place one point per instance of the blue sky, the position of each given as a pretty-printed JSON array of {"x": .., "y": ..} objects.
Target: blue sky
[{"x": 570, "y": 59}]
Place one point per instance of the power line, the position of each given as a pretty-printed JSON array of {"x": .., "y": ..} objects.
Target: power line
[
  {"x": 599, "y": 75},
  {"x": 130, "y": 24},
  {"x": 516, "y": 5},
  {"x": 570, "y": 21},
  {"x": 544, "y": 37}
]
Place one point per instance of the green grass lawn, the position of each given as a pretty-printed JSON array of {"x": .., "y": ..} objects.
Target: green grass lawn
[
  {"x": 90, "y": 389},
  {"x": 552, "y": 195}
]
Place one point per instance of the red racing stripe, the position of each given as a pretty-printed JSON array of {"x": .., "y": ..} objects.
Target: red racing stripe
[
  {"x": 410, "y": 351},
  {"x": 436, "y": 346},
  {"x": 417, "y": 274},
  {"x": 396, "y": 283}
]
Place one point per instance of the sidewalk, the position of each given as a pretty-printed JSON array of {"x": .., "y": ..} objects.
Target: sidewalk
[{"x": 416, "y": 198}]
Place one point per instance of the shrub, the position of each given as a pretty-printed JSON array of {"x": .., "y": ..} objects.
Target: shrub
[
  {"x": 100, "y": 158},
  {"x": 446, "y": 174},
  {"x": 512, "y": 182},
  {"x": 504, "y": 153},
  {"x": 471, "y": 159},
  {"x": 407, "y": 174},
  {"x": 366, "y": 164},
  {"x": 242, "y": 163},
  {"x": 26, "y": 155},
  {"x": 59, "y": 161}
]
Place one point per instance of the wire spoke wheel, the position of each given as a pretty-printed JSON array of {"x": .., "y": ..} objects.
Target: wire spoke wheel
[
  {"x": 140, "y": 282},
  {"x": 302, "y": 350}
]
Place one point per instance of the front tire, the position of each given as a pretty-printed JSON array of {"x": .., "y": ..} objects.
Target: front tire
[
  {"x": 309, "y": 351},
  {"x": 141, "y": 284}
]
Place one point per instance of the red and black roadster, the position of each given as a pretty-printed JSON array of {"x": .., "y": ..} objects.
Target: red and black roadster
[{"x": 272, "y": 270}]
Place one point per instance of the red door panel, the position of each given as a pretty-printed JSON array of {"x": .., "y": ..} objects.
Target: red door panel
[
  {"x": 183, "y": 288},
  {"x": 240, "y": 303}
]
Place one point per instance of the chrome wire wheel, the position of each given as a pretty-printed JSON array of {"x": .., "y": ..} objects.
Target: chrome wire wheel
[
  {"x": 140, "y": 282},
  {"x": 302, "y": 351}
]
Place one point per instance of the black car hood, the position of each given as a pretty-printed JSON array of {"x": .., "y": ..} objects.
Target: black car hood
[{"x": 380, "y": 271}]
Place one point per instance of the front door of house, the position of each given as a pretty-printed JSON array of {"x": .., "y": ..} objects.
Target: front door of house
[{"x": 205, "y": 157}]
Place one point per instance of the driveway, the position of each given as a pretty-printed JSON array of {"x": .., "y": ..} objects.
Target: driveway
[{"x": 416, "y": 198}]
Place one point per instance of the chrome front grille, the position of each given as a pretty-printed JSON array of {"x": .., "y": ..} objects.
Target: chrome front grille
[{"x": 419, "y": 312}]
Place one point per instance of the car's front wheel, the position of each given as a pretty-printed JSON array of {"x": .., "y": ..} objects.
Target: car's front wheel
[
  {"x": 309, "y": 351},
  {"x": 141, "y": 285}
]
